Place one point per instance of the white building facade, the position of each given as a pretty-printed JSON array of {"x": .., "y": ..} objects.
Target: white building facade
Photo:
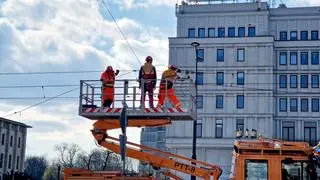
[
  {"x": 259, "y": 69},
  {"x": 13, "y": 136}
]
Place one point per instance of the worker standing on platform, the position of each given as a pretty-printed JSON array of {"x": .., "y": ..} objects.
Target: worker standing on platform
[
  {"x": 108, "y": 79},
  {"x": 147, "y": 81},
  {"x": 166, "y": 87}
]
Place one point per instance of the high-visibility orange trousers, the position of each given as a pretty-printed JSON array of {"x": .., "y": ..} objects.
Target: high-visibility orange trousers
[
  {"x": 171, "y": 95},
  {"x": 107, "y": 96}
]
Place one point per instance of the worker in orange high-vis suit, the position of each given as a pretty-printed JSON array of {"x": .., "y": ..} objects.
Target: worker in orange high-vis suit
[
  {"x": 166, "y": 87},
  {"x": 108, "y": 79}
]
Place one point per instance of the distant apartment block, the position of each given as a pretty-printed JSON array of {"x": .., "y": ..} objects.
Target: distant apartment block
[
  {"x": 12, "y": 145},
  {"x": 259, "y": 69}
]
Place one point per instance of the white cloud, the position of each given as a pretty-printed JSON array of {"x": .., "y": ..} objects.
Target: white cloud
[
  {"x": 302, "y": 3},
  {"x": 62, "y": 32},
  {"x": 129, "y": 4}
]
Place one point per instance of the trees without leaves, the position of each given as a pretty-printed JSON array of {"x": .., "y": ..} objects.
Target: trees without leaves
[{"x": 35, "y": 166}]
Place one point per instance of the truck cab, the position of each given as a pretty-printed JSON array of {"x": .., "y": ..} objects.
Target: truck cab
[{"x": 268, "y": 159}]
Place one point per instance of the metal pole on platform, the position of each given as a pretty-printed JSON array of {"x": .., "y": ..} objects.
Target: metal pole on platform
[
  {"x": 194, "y": 137},
  {"x": 123, "y": 137}
]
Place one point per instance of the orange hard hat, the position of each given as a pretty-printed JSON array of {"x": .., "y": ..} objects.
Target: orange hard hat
[{"x": 148, "y": 58}]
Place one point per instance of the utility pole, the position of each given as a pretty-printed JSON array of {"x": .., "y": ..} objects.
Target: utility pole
[{"x": 194, "y": 138}]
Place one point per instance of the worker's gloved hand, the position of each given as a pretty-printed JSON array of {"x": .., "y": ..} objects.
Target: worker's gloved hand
[{"x": 117, "y": 71}]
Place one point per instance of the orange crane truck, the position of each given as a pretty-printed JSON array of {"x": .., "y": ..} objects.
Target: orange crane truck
[{"x": 258, "y": 159}]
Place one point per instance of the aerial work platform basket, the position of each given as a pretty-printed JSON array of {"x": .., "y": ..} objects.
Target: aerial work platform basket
[{"x": 128, "y": 91}]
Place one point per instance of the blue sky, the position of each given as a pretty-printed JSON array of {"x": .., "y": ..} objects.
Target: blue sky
[{"x": 75, "y": 35}]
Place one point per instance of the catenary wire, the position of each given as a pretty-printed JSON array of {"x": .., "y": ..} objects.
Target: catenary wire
[
  {"x": 123, "y": 35},
  {"x": 49, "y": 99},
  {"x": 185, "y": 71}
]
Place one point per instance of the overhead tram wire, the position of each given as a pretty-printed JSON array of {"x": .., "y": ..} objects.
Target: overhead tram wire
[
  {"x": 49, "y": 99},
  {"x": 123, "y": 35},
  {"x": 39, "y": 103},
  {"x": 55, "y": 72},
  {"x": 207, "y": 95}
]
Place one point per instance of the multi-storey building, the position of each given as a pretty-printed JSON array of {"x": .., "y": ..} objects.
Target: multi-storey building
[
  {"x": 152, "y": 137},
  {"x": 13, "y": 137},
  {"x": 258, "y": 68}
]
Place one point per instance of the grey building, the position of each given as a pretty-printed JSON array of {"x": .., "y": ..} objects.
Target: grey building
[
  {"x": 12, "y": 145},
  {"x": 152, "y": 137},
  {"x": 259, "y": 69}
]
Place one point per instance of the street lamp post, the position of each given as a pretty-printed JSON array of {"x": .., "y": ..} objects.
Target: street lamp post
[{"x": 194, "y": 137}]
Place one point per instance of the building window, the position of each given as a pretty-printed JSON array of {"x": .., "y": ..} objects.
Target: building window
[
  {"x": 240, "y": 78},
  {"x": 200, "y": 55},
  {"x": 283, "y": 58},
  {"x": 9, "y": 163},
  {"x": 256, "y": 169},
  {"x": 314, "y": 35},
  {"x": 199, "y": 129},
  {"x": 304, "y": 58},
  {"x": 219, "y": 101},
  {"x": 199, "y": 78},
  {"x": 18, "y": 161},
  {"x": 293, "y": 81},
  {"x": 220, "y": 78},
  {"x": 191, "y": 33},
  {"x": 220, "y": 55},
  {"x": 304, "y": 81},
  {"x": 221, "y": 32},
  {"x": 240, "y": 124},
  {"x": 19, "y": 141},
  {"x": 199, "y": 101},
  {"x": 293, "y": 35},
  {"x": 240, "y": 101},
  {"x": 310, "y": 133},
  {"x": 304, "y": 35},
  {"x": 240, "y": 55},
  {"x": 315, "y": 104},
  {"x": 293, "y": 58},
  {"x": 2, "y": 139},
  {"x": 211, "y": 32},
  {"x": 201, "y": 33},
  {"x": 11, "y": 141},
  {"x": 304, "y": 105},
  {"x": 293, "y": 104},
  {"x": 288, "y": 131},
  {"x": 283, "y": 36},
  {"x": 1, "y": 160},
  {"x": 219, "y": 128},
  {"x": 315, "y": 58},
  {"x": 315, "y": 80},
  {"x": 241, "y": 31},
  {"x": 283, "y": 81},
  {"x": 283, "y": 104},
  {"x": 231, "y": 32},
  {"x": 252, "y": 31}
]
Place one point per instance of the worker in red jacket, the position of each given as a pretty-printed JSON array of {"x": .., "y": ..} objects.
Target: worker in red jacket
[
  {"x": 108, "y": 79},
  {"x": 147, "y": 80}
]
